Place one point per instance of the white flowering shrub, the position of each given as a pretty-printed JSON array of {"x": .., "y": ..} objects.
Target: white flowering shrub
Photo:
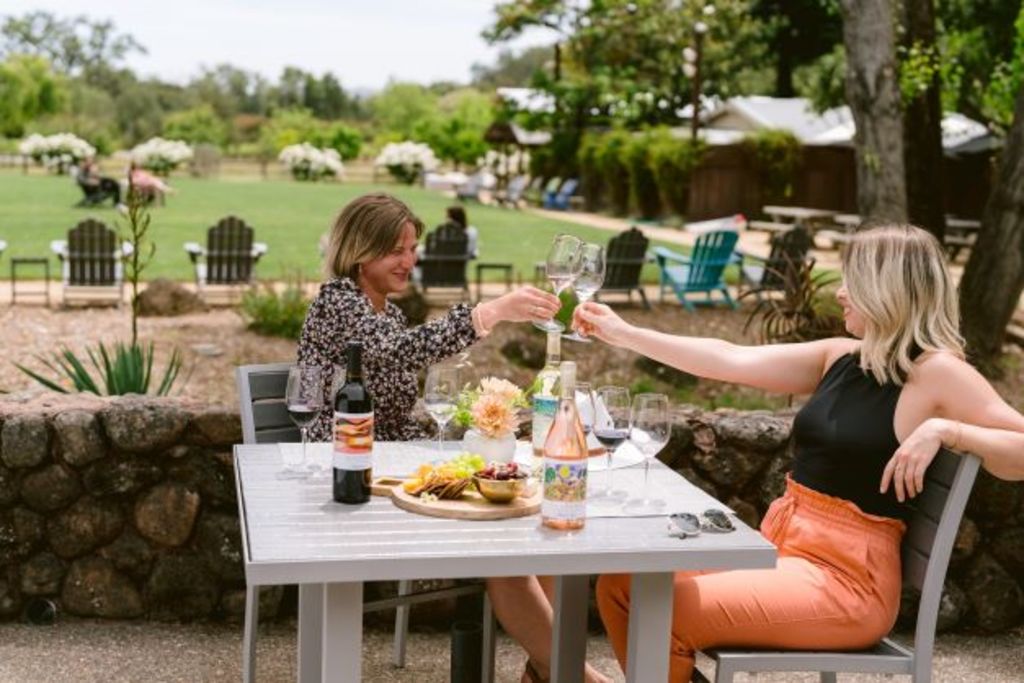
[
  {"x": 405, "y": 161},
  {"x": 161, "y": 156},
  {"x": 57, "y": 152},
  {"x": 306, "y": 162}
]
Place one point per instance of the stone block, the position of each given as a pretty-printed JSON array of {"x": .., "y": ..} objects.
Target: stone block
[
  {"x": 51, "y": 488},
  {"x": 94, "y": 588},
  {"x": 139, "y": 424},
  {"x": 220, "y": 543},
  {"x": 25, "y": 441},
  {"x": 131, "y": 554},
  {"x": 181, "y": 587},
  {"x": 996, "y": 598},
  {"x": 86, "y": 525},
  {"x": 120, "y": 476},
  {"x": 78, "y": 433},
  {"x": 42, "y": 574},
  {"x": 215, "y": 426},
  {"x": 166, "y": 513}
]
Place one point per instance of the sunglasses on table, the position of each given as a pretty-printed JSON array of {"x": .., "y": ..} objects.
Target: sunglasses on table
[{"x": 686, "y": 524}]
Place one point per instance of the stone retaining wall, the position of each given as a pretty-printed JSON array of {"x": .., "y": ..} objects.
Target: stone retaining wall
[{"x": 125, "y": 508}]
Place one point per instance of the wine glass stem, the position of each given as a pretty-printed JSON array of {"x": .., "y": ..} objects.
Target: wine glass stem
[
  {"x": 302, "y": 431},
  {"x": 647, "y": 491},
  {"x": 440, "y": 436}
]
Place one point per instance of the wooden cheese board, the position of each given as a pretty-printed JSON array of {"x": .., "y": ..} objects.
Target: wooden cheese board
[{"x": 471, "y": 505}]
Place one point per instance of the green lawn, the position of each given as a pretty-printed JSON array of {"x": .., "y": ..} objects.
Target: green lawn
[{"x": 289, "y": 216}]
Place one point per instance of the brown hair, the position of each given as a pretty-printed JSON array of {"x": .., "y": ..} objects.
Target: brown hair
[
  {"x": 457, "y": 215},
  {"x": 366, "y": 229}
]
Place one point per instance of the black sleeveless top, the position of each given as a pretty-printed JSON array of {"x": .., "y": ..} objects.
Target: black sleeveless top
[{"x": 844, "y": 436}]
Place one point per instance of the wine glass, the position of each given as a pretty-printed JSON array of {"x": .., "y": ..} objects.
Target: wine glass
[
  {"x": 649, "y": 431},
  {"x": 561, "y": 267},
  {"x": 611, "y": 427},
  {"x": 440, "y": 393},
  {"x": 589, "y": 280},
  {"x": 304, "y": 399}
]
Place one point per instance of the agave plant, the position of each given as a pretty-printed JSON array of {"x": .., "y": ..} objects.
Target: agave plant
[
  {"x": 124, "y": 369},
  {"x": 801, "y": 314}
]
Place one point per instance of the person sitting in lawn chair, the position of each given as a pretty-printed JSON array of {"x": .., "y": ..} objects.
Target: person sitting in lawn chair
[
  {"x": 148, "y": 186},
  {"x": 97, "y": 188}
]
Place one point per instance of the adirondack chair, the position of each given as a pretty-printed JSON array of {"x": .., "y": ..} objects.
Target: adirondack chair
[
  {"x": 701, "y": 271},
  {"x": 534, "y": 193},
  {"x": 443, "y": 264},
  {"x": 3, "y": 247},
  {"x": 512, "y": 195},
  {"x": 775, "y": 273},
  {"x": 225, "y": 267},
  {"x": 92, "y": 264},
  {"x": 471, "y": 188},
  {"x": 560, "y": 200},
  {"x": 624, "y": 259}
]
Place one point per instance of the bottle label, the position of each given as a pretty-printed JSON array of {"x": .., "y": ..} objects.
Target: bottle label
[
  {"x": 544, "y": 408},
  {"x": 353, "y": 441},
  {"x": 565, "y": 489}
]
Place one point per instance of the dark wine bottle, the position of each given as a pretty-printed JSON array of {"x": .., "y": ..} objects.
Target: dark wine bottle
[{"x": 353, "y": 433}]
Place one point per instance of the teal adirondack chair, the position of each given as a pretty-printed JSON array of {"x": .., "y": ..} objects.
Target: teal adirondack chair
[{"x": 701, "y": 271}]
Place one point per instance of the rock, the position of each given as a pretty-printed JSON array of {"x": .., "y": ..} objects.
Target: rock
[
  {"x": 163, "y": 297},
  {"x": 87, "y": 524},
  {"x": 232, "y": 604},
  {"x": 729, "y": 466},
  {"x": 745, "y": 511},
  {"x": 50, "y": 488},
  {"x": 166, "y": 513},
  {"x": 966, "y": 542},
  {"x": 8, "y": 487},
  {"x": 414, "y": 306},
  {"x": 773, "y": 483},
  {"x": 215, "y": 426},
  {"x": 676, "y": 453},
  {"x": 130, "y": 553},
  {"x": 953, "y": 606},
  {"x": 665, "y": 373},
  {"x": 1008, "y": 547},
  {"x": 992, "y": 500},
  {"x": 526, "y": 349},
  {"x": 995, "y": 597},
  {"x": 21, "y": 532},
  {"x": 93, "y": 588},
  {"x": 204, "y": 472},
  {"x": 181, "y": 587},
  {"x": 10, "y": 598},
  {"x": 42, "y": 575},
  {"x": 26, "y": 440},
  {"x": 78, "y": 433},
  {"x": 220, "y": 544},
  {"x": 117, "y": 477},
  {"x": 759, "y": 431},
  {"x": 138, "y": 424}
]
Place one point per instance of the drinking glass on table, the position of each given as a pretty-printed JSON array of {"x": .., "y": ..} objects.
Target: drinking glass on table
[
  {"x": 611, "y": 427},
  {"x": 304, "y": 399},
  {"x": 649, "y": 431},
  {"x": 440, "y": 394},
  {"x": 561, "y": 267},
  {"x": 589, "y": 280}
]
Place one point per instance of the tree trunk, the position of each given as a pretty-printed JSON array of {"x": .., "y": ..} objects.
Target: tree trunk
[
  {"x": 994, "y": 276},
  {"x": 874, "y": 99},
  {"x": 922, "y": 130}
]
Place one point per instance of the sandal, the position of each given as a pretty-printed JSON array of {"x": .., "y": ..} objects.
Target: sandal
[{"x": 531, "y": 675}]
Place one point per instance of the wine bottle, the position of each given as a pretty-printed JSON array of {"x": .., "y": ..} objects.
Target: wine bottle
[
  {"x": 565, "y": 461},
  {"x": 545, "y": 397},
  {"x": 353, "y": 433}
]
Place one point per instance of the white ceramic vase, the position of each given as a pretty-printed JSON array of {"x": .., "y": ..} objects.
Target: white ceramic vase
[{"x": 492, "y": 450}]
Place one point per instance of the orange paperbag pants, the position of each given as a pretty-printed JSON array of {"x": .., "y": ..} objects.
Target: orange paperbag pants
[{"x": 836, "y": 585}]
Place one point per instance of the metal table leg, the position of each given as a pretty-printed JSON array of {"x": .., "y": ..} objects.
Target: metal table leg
[
  {"x": 311, "y": 619},
  {"x": 569, "y": 636},
  {"x": 650, "y": 627},
  {"x": 343, "y": 633}
]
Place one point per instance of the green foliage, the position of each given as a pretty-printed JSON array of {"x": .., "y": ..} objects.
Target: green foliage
[
  {"x": 287, "y": 127},
  {"x": 592, "y": 185},
  {"x": 401, "y": 107},
  {"x": 777, "y": 154},
  {"x": 275, "y": 314},
  {"x": 920, "y": 64},
  {"x": 823, "y": 81},
  {"x": 28, "y": 89},
  {"x": 347, "y": 140},
  {"x": 644, "y": 385},
  {"x": 610, "y": 159},
  {"x": 124, "y": 369},
  {"x": 672, "y": 161},
  {"x": 807, "y": 310},
  {"x": 197, "y": 125},
  {"x": 456, "y": 131},
  {"x": 569, "y": 303},
  {"x": 644, "y": 198}
]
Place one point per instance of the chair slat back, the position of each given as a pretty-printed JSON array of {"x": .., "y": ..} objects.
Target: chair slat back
[
  {"x": 567, "y": 189},
  {"x": 445, "y": 257},
  {"x": 624, "y": 259},
  {"x": 711, "y": 254},
  {"x": 93, "y": 251},
  {"x": 262, "y": 404},
  {"x": 788, "y": 253},
  {"x": 229, "y": 252}
]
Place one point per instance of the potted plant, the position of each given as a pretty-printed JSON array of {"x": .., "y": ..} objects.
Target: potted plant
[{"x": 491, "y": 414}]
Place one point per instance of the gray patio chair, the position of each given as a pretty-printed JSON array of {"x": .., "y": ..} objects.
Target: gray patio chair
[
  {"x": 926, "y": 550},
  {"x": 264, "y": 412}
]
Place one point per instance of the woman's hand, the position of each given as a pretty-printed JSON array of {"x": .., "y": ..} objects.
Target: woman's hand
[
  {"x": 520, "y": 305},
  {"x": 905, "y": 470},
  {"x": 597, "y": 320}
]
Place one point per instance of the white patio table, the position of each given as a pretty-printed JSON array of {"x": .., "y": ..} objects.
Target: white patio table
[{"x": 292, "y": 532}]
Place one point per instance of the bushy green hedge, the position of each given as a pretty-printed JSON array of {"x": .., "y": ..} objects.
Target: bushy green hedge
[
  {"x": 277, "y": 315},
  {"x": 777, "y": 155},
  {"x": 672, "y": 162}
]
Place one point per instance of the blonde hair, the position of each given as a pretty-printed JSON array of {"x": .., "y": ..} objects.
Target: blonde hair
[
  {"x": 366, "y": 229},
  {"x": 897, "y": 278}
]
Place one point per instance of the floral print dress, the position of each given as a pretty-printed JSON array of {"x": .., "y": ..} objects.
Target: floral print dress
[{"x": 393, "y": 353}]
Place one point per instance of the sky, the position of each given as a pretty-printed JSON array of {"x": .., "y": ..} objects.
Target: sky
[{"x": 364, "y": 42}]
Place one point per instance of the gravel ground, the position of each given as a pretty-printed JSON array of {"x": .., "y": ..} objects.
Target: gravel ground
[{"x": 84, "y": 651}]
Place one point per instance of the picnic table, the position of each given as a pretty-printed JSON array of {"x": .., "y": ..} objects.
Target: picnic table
[
  {"x": 292, "y": 532},
  {"x": 800, "y": 215}
]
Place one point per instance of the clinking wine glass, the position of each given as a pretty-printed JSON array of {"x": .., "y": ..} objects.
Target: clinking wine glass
[
  {"x": 561, "y": 267},
  {"x": 649, "y": 431},
  {"x": 589, "y": 280},
  {"x": 611, "y": 427},
  {"x": 304, "y": 399},
  {"x": 440, "y": 394}
]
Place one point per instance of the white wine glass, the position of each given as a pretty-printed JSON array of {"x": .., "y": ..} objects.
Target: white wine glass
[
  {"x": 561, "y": 268},
  {"x": 304, "y": 399},
  {"x": 650, "y": 428},
  {"x": 589, "y": 280},
  {"x": 440, "y": 394},
  {"x": 611, "y": 427}
]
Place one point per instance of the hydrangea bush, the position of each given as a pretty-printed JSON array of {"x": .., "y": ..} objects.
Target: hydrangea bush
[
  {"x": 161, "y": 156},
  {"x": 306, "y": 162},
  {"x": 57, "y": 152},
  {"x": 406, "y": 161}
]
